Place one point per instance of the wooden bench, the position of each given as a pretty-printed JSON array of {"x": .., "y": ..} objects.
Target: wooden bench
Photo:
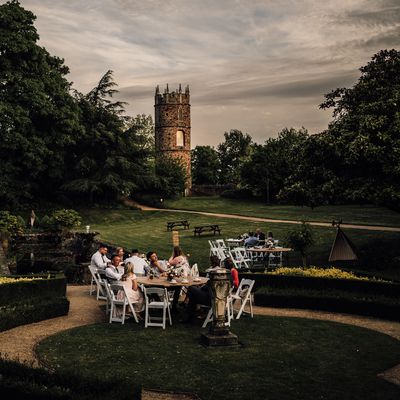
[
  {"x": 172, "y": 224},
  {"x": 198, "y": 230}
]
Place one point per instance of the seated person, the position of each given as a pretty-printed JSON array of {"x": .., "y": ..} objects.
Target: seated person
[
  {"x": 119, "y": 251},
  {"x": 138, "y": 262},
  {"x": 112, "y": 273},
  {"x": 99, "y": 259},
  {"x": 269, "y": 242},
  {"x": 180, "y": 261},
  {"x": 202, "y": 295},
  {"x": 199, "y": 294},
  {"x": 251, "y": 240},
  {"x": 154, "y": 265},
  {"x": 132, "y": 289},
  {"x": 260, "y": 235},
  {"x": 228, "y": 264}
]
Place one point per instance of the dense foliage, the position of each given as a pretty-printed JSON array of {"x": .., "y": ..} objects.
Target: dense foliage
[
  {"x": 301, "y": 238},
  {"x": 66, "y": 219},
  {"x": 39, "y": 119},
  {"x": 357, "y": 158},
  {"x": 58, "y": 144},
  {"x": 9, "y": 223}
]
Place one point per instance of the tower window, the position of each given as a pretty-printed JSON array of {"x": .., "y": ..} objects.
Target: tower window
[
  {"x": 180, "y": 138},
  {"x": 180, "y": 114}
]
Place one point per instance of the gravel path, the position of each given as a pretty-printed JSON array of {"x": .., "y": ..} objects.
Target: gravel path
[
  {"x": 260, "y": 219},
  {"x": 19, "y": 343}
]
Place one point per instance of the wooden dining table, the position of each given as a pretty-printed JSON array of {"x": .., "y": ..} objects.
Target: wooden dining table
[
  {"x": 164, "y": 282},
  {"x": 269, "y": 249}
]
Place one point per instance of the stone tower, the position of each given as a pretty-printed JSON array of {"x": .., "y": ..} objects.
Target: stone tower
[{"x": 172, "y": 127}]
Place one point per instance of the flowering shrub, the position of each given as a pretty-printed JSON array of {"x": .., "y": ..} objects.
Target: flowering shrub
[
  {"x": 4, "y": 279},
  {"x": 66, "y": 218},
  {"x": 318, "y": 272}
]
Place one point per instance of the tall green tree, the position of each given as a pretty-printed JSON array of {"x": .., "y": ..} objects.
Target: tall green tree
[
  {"x": 232, "y": 153},
  {"x": 269, "y": 165},
  {"x": 205, "y": 165},
  {"x": 170, "y": 177},
  {"x": 39, "y": 119},
  {"x": 365, "y": 132},
  {"x": 111, "y": 158}
]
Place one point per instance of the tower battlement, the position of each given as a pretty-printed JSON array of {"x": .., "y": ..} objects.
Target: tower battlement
[
  {"x": 175, "y": 97},
  {"x": 172, "y": 127}
]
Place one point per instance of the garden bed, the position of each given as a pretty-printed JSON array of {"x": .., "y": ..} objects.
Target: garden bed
[{"x": 24, "y": 300}]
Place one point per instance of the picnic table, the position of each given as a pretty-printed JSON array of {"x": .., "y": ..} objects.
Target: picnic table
[
  {"x": 172, "y": 224},
  {"x": 198, "y": 230}
]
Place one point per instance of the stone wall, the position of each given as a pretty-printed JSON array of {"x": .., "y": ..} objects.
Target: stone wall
[{"x": 51, "y": 251}]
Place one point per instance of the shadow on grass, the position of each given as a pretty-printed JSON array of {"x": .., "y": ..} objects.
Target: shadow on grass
[{"x": 281, "y": 358}]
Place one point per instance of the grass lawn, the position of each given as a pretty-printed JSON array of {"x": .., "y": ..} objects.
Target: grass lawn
[
  {"x": 280, "y": 358},
  {"x": 146, "y": 230},
  {"x": 365, "y": 215}
]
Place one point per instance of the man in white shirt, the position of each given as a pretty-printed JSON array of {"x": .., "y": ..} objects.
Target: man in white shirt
[
  {"x": 112, "y": 272},
  {"x": 99, "y": 259},
  {"x": 139, "y": 263}
]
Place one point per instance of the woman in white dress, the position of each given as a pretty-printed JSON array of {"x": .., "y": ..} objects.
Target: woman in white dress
[{"x": 132, "y": 289}]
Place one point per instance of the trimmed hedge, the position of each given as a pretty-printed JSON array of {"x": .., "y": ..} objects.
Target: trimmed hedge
[
  {"x": 344, "y": 302},
  {"x": 389, "y": 289},
  {"x": 22, "y": 382},
  {"x": 36, "y": 310},
  {"x": 24, "y": 302},
  {"x": 16, "y": 292}
]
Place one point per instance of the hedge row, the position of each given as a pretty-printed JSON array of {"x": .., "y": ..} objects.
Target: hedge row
[
  {"x": 389, "y": 289},
  {"x": 22, "y": 382},
  {"x": 34, "y": 310},
  {"x": 337, "y": 302},
  {"x": 20, "y": 292}
]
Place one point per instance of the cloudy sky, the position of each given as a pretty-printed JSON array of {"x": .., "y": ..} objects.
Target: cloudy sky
[{"x": 254, "y": 65}]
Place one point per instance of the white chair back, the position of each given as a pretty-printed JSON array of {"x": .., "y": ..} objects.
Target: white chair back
[
  {"x": 240, "y": 258},
  {"x": 244, "y": 295},
  {"x": 101, "y": 293},
  {"x": 161, "y": 303},
  {"x": 220, "y": 243},
  {"x": 119, "y": 299}
]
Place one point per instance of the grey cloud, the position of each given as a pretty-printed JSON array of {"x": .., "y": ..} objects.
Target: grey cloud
[{"x": 254, "y": 65}]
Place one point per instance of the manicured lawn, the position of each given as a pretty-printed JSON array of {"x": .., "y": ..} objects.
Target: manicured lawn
[
  {"x": 365, "y": 215},
  {"x": 280, "y": 358},
  {"x": 146, "y": 230}
]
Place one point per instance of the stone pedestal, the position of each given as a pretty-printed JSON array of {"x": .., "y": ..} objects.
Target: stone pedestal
[{"x": 219, "y": 333}]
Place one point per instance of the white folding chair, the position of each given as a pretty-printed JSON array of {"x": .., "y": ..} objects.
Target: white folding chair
[
  {"x": 101, "y": 293},
  {"x": 213, "y": 248},
  {"x": 222, "y": 253},
  {"x": 161, "y": 303},
  {"x": 106, "y": 289},
  {"x": 93, "y": 286},
  {"x": 220, "y": 243},
  {"x": 244, "y": 295},
  {"x": 119, "y": 298},
  {"x": 240, "y": 258},
  {"x": 275, "y": 259}
]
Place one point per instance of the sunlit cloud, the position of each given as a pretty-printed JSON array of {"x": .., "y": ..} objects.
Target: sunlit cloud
[{"x": 254, "y": 65}]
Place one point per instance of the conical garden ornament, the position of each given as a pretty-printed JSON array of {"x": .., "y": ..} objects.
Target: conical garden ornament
[{"x": 342, "y": 249}]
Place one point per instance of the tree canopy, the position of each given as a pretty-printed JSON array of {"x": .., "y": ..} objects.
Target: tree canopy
[{"x": 39, "y": 119}]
